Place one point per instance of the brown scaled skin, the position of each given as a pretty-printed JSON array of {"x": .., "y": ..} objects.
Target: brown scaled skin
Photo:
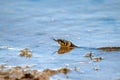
[{"x": 65, "y": 43}]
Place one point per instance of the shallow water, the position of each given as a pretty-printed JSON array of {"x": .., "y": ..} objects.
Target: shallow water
[{"x": 87, "y": 23}]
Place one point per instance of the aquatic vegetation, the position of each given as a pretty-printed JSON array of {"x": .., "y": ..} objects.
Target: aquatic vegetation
[
  {"x": 50, "y": 72},
  {"x": 29, "y": 55},
  {"x": 25, "y": 53},
  {"x": 21, "y": 73},
  {"x": 65, "y": 43},
  {"x": 53, "y": 72},
  {"x": 64, "y": 70},
  {"x": 97, "y": 59},
  {"x": 90, "y": 55},
  {"x": 26, "y": 50}
]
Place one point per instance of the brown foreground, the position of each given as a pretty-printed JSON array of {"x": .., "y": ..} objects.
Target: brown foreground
[{"x": 25, "y": 73}]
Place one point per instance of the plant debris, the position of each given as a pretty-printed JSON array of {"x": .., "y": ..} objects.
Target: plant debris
[
  {"x": 21, "y": 73},
  {"x": 25, "y": 53},
  {"x": 97, "y": 59},
  {"x": 90, "y": 55}
]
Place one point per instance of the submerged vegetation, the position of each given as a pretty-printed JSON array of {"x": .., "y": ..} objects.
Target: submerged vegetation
[{"x": 25, "y": 53}]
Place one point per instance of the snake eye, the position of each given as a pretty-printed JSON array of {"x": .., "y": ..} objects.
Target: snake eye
[
  {"x": 64, "y": 43},
  {"x": 61, "y": 42}
]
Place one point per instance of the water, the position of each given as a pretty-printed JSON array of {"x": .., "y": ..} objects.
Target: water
[{"x": 87, "y": 23}]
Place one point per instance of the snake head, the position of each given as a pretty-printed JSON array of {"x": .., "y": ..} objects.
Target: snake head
[{"x": 64, "y": 43}]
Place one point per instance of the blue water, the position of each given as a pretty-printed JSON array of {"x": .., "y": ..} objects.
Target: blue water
[{"x": 87, "y": 23}]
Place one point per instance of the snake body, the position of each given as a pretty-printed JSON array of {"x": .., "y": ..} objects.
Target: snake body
[{"x": 66, "y": 43}]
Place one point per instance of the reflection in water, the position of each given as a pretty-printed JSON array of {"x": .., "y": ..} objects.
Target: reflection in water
[
  {"x": 65, "y": 46},
  {"x": 63, "y": 50}
]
